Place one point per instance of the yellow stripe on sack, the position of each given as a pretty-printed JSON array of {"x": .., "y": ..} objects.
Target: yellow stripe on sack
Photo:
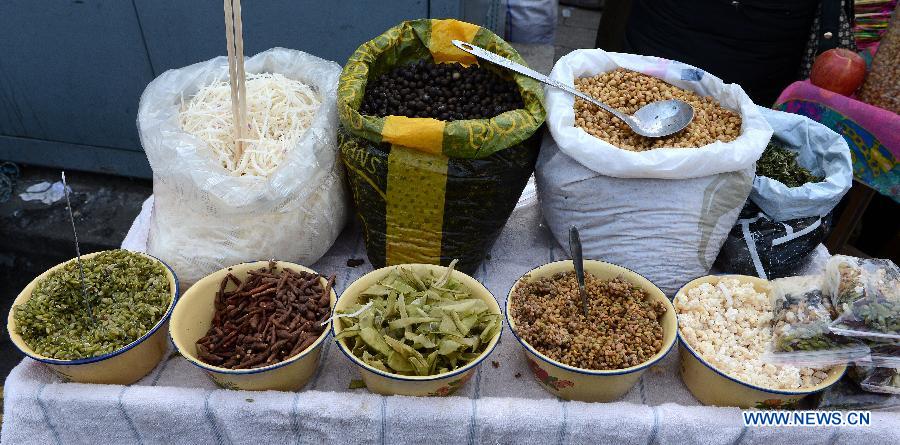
[
  {"x": 422, "y": 133},
  {"x": 414, "y": 211},
  {"x": 442, "y": 32}
]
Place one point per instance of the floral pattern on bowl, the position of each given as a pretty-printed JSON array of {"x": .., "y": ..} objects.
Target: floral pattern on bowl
[
  {"x": 451, "y": 387},
  {"x": 778, "y": 404},
  {"x": 548, "y": 379}
]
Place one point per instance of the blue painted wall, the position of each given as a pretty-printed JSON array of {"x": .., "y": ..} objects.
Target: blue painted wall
[{"x": 72, "y": 72}]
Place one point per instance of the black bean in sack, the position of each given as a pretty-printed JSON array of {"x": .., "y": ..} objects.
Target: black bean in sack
[{"x": 781, "y": 247}]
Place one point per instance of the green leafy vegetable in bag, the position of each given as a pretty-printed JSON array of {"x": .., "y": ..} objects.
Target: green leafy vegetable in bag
[
  {"x": 418, "y": 324},
  {"x": 800, "y": 326},
  {"x": 866, "y": 296},
  {"x": 780, "y": 164}
]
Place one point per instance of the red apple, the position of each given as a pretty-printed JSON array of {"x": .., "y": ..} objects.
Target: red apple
[{"x": 839, "y": 70}]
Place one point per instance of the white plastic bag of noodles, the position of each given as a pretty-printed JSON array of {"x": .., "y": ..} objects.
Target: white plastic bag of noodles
[
  {"x": 663, "y": 213},
  {"x": 204, "y": 218}
]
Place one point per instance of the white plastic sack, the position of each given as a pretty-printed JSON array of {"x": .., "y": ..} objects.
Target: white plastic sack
[
  {"x": 532, "y": 21},
  {"x": 204, "y": 218},
  {"x": 663, "y": 213},
  {"x": 666, "y": 163},
  {"x": 821, "y": 151}
]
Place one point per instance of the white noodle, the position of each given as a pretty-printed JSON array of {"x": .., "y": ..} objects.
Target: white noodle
[{"x": 279, "y": 111}]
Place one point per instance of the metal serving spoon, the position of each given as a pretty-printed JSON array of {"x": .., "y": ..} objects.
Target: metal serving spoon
[
  {"x": 578, "y": 262},
  {"x": 653, "y": 120}
]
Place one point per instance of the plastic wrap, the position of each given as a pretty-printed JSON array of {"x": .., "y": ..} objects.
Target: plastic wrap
[
  {"x": 801, "y": 334},
  {"x": 204, "y": 218},
  {"x": 866, "y": 296},
  {"x": 847, "y": 395},
  {"x": 882, "y": 380},
  {"x": 663, "y": 213},
  {"x": 759, "y": 246},
  {"x": 426, "y": 190},
  {"x": 885, "y": 355}
]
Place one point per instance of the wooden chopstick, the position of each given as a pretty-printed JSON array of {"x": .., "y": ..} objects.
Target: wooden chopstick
[
  {"x": 235, "y": 41},
  {"x": 239, "y": 53}
]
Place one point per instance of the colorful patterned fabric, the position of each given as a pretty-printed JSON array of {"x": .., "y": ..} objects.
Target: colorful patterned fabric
[{"x": 872, "y": 133}]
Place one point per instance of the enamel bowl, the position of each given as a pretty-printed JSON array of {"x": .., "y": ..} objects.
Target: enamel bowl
[
  {"x": 121, "y": 367},
  {"x": 387, "y": 383},
  {"x": 590, "y": 385},
  {"x": 714, "y": 387},
  {"x": 193, "y": 316}
]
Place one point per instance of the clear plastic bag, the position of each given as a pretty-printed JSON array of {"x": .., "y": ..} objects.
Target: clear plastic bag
[
  {"x": 882, "y": 380},
  {"x": 884, "y": 354},
  {"x": 801, "y": 334},
  {"x": 846, "y": 394},
  {"x": 866, "y": 297}
]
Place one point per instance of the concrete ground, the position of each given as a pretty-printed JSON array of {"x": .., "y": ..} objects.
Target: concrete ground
[{"x": 576, "y": 28}]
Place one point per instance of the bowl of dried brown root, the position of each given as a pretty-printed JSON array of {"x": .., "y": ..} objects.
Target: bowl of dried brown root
[{"x": 255, "y": 326}]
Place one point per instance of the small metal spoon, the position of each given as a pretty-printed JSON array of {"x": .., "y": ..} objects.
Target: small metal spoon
[
  {"x": 653, "y": 120},
  {"x": 578, "y": 261}
]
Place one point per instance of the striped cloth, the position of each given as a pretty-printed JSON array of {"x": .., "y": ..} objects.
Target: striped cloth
[{"x": 177, "y": 403}]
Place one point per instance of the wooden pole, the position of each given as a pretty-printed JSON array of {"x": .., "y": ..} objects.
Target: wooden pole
[{"x": 235, "y": 42}]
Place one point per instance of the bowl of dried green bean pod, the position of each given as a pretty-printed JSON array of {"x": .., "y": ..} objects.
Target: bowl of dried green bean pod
[
  {"x": 110, "y": 330},
  {"x": 416, "y": 329}
]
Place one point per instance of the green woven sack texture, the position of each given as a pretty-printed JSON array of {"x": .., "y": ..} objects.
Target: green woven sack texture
[{"x": 429, "y": 191}]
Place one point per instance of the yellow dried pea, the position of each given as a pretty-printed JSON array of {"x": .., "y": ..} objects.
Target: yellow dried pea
[{"x": 628, "y": 91}]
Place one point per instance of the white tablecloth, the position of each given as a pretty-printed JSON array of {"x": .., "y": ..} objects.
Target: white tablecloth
[{"x": 177, "y": 403}]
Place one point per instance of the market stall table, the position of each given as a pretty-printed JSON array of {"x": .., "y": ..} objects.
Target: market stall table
[{"x": 502, "y": 403}]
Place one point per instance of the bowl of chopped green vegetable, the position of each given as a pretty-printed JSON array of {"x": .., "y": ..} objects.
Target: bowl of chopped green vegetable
[
  {"x": 416, "y": 329},
  {"x": 108, "y": 328}
]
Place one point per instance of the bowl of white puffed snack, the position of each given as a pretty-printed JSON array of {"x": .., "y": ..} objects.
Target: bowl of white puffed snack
[{"x": 724, "y": 331}]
